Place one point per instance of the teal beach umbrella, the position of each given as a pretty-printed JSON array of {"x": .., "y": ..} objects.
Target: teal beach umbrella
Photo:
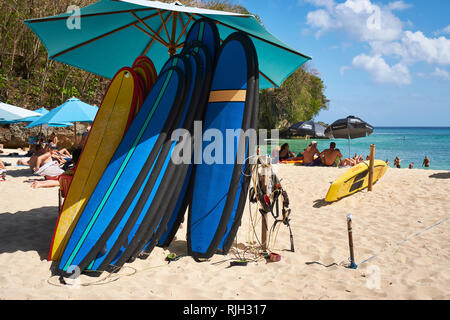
[
  {"x": 73, "y": 110},
  {"x": 110, "y": 34}
]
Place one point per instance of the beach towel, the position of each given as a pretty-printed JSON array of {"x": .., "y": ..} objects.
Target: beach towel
[{"x": 50, "y": 169}]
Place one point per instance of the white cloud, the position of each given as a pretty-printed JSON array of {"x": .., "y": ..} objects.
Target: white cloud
[
  {"x": 398, "y": 5},
  {"x": 361, "y": 18},
  {"x": 383, "y": 32},
  {"x": 319, "y": 19},
  {"x": 381, "y": 71},
  {"x": 343, "y": 69},
  {"x": 442, "y": 74},
  {"x": 445, "y": 30}
]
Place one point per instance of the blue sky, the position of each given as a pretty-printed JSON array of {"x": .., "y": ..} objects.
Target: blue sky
[{"x": 387, "y": 62}]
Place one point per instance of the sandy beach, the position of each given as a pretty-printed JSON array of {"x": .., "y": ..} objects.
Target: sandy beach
[{"x": 403, "y": 206}]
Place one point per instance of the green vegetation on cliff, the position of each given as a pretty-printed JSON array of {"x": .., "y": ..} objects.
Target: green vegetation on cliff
[{"x": 29, "y": 79}]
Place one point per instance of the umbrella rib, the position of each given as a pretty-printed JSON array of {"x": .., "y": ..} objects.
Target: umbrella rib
[
  {"x": 155, "y": 34},
  {"x": 99, "y": 37},
  {"x": 151, "y": 36},
  {"x": 172, "y": 43},
  {"x": 164, "y": 24},
  {"x": 152, "y": 41},
  {"x": 268, "y": 79},
  {"x": 259, "y": 38},
  {"x": 184, "y": 27}
]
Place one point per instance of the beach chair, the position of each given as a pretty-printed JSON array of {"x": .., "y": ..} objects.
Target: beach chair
[{"x": 64, "y": 184}]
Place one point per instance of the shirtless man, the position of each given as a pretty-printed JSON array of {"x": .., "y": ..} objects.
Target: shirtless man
[
  {"x": 309, "y": 153},
  {"x": 38, "y": 151},
  {"x": 329, "y": 156}
]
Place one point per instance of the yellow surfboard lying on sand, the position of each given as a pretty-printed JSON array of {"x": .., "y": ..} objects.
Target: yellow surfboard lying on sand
[
  {"x": 117, "y": 108},
  {"x": 355, "y": 179}
]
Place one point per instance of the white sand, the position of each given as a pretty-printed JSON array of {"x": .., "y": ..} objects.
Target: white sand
[{"x": 403, "y": 203}]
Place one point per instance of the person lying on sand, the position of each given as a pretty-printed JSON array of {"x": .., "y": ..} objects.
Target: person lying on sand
[
  {"x": 54, "y": 181},
  {"x": 330, "y": 155},
  {"x": 309, "y": 153},
  {"x": 352, "y": 161},
  {"x": 285, "y": 153}
]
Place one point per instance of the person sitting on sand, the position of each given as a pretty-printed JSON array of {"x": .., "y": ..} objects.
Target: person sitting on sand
[
  {"x": 52, "y": 140},
  {"x": 285, "y": 153},
  {"x": 397, "y": 162},
  {"x": 38, "y": 150},
  {"x": 329, "y": 156},
  {"x": 54, "y": 182},
  {"x": 2, "y": 170},
  {"x": 426, "y": 162},
  {"x": 411, "y": 165},
  {"x": 309, "y": 153}
]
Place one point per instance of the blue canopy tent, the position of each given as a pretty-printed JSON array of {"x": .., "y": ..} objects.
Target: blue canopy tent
[
  {"x": 111, "y": 34},
  {"x": 73, "y": 110}
]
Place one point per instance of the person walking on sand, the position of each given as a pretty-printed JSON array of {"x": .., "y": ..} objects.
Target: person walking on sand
[
  {"x": 329, "y": 156},
  {"x": 309, "y": 153},
  {"x": 426, "y": 162}
]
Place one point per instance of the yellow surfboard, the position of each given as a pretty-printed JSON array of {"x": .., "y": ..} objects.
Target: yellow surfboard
[
  {"x": 104, "y": 137},
  {"x": 355, "y": 179}
]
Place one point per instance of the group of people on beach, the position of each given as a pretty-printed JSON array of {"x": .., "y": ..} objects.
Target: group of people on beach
[
  {"x": 331, "y": 157},
  {"x": 49, "y": 161},
  {"x": 312, "y": 157}
]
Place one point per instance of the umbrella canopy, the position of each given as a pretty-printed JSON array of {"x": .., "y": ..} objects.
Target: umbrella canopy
[
  {"x": 349, "y": 128},
  {"x": 73, "y": 110},
  {"x": 111, "y": 34},
  {"x": 10, "y": 113},
  {"x": 308, "y": 128}
]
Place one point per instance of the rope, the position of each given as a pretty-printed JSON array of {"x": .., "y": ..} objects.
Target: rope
[
  {"x": 407, "y": 239},
  {"x": 102, "y": 280}
]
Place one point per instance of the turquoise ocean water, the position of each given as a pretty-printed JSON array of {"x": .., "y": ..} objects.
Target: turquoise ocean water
[{"x": 409, "y": 144}]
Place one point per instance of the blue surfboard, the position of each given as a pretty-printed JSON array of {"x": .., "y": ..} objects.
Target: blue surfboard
[
  {"x": 203, "y": 37},
  {"x": 120, "y": 179},
  {"x": 124, "y": 236},
  {"x": 174, "y": 210},
  {"x": 159, "y": 212},
  {"x": 218, "y": 187}
]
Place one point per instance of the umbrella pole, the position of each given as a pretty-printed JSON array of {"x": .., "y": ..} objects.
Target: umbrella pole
[{"x": 75, "y": 132}]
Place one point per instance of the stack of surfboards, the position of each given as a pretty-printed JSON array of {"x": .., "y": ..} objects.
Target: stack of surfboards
[{"x": 128, "y": 195}]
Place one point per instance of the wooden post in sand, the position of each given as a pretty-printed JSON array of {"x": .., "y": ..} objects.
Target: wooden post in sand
[
  {"x": 371, "y": 165},
  {"x": 350, "y": 242}
]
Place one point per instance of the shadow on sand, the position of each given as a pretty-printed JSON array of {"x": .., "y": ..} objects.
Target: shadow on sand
[
  {"x": 321, "y": 203},
  {"x": 28, "y": 230},
  {"x": 441, "y": 175}
]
